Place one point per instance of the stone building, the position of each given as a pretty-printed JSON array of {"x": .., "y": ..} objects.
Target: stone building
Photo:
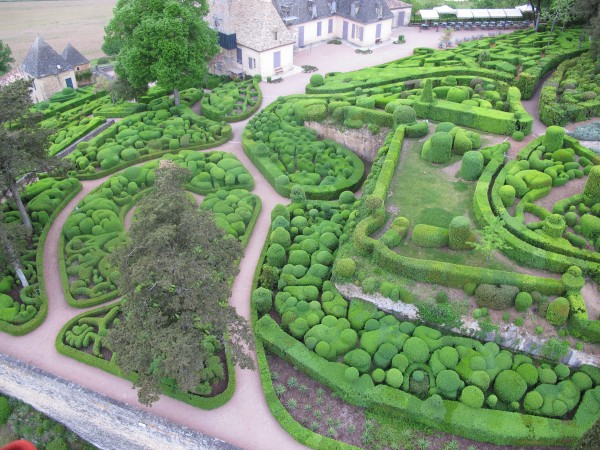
[
  {"x": 401, "y": 12},
  {"x": 259, "y": 36},
  {"x": 48, "y": 70}
]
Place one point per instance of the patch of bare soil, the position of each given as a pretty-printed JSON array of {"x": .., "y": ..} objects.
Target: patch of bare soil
[
  {"x": 574, "y": 186},
  {"x": 591, "y": 295}
]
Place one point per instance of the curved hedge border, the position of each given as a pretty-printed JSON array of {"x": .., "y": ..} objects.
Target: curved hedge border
[
  {"x": 270, "y": 171},
  {"x": 20, "y": 330},
  {"x": 112, "y": 368},
  {"x": 206, "y": 110},
  {"x": 280, "y": 413}
]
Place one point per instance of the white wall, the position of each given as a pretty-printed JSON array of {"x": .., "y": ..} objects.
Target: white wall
[
  {"x": 369, "y": 32},
  {"x": 310, "y": 31},
  {"x": 265, "y": 60}
]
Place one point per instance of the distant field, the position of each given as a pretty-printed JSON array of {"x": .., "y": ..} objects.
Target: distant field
[{"x": 80, "y": 22}]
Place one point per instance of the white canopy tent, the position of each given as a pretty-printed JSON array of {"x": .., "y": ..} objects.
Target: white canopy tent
[
  {"x": 513, "y": 13},
  {"x": 444, "y": 9},
  {"x": 480, "y": 14},
  {"x": 429, "y": 14},
  {"x": 525, "y": 8},
  {"x": 464, "y": 14},
  {"x": 497, "y": 13}
]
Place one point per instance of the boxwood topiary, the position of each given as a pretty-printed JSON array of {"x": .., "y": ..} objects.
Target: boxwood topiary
[
  {"x": 553, "y": 139},
  {"x": 471, "y": 165},
  {"x": 404, "y": 115},
  {"x": 496, "y": 297},
  {"x": 262, "y": 300},
  {"x": 510, "y": 386},
  {"x": 459, "y": 233},
  {"x": 523, "y": 301},
  {"x": 472, "y": 396},
  {"x": 558, "y": 311}
]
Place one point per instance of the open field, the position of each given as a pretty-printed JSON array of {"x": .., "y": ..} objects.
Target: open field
[{"x": 80, "y": 22}]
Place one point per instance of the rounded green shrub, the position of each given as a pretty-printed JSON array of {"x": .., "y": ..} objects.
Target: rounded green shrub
[
  {"x": 457, "y": 95},
  {"x": 445, "y": 126},
  {"x": 533, "y": 401},
  {"x": 507, "y": 195},
  {"x": 384, "y": 354},
  {"x": 262, "y": 300},
  {"x": 471, "y": 165},
  {"x": 553, "y": 139},
  {"x": 416, "y": 350},
  {"x": 404, "y": 115},
  {"x": 481, "y": 379},
  {"x": 351, "y": 374},
  {"x": 317, "y": 80},
  {"x": 394, "y": 378},
  {"x": 492, "y": 401},
  {"x": 554, "y": 225},
  {"x": 276, "y": 255},
  {"x": 523, "y": 301},
  {"x": 496, "y": 297},
  {"x": 591, "y": 190},
  {"x": 529, "y": 373},
  {"x": 282, "y": 237},
  {"x": 472, "y": 396},
  {"x": 509, "y": 386},
  {"x": 558, "y": 311},
  {"x": 378, "y": 375},
  {"x": 581, "y": 380},
  {"x": 562, "y": 371},
  {"x": 438, "y": 148},
  {"x": 347, "y": 198},
  {"x": 547, "y": 376},
  {"x": 297, "y": 194},
  {"x": 358, "y": 358},
  {"x": 366, "y": 102},
  {"x": 448, "y": 383},
  {"x": 518, "y": 136},
  {"x": 459, "y": 233},
  {"x": 462, "y": 144}
]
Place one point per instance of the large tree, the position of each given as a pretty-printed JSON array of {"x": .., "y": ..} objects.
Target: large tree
[
  {"x": 22, "y": 142},
  {"x": 166, "y": 41},
  {"x": 589, "y": 11},
  {"x": 12, "y": 246},
  {"x": 5, "y": 58},
  {"x": 175, "y": 275}
]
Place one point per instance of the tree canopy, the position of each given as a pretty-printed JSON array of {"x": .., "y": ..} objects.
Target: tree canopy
[
  {"x": 589, "y": 10},
  {"x": 166, "y": 41},
  {"x": 175, "y": 275},
  {"x": 22, "y": 140},
  {"x": 5, "y": 58}
]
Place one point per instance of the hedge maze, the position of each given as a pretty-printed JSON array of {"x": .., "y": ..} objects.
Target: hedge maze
[
  {"x": 447, "y": 190},
  {"x": 470, "y": 97}
]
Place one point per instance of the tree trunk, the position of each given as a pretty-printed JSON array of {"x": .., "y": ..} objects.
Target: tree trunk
[
  {"x": 14, "y": 259},
  {"x": 582, "y": 37},
  {"x": 550, "y": 35},
  {"x": 24, "y": 216},
  {"x": 176, "y": 96}
]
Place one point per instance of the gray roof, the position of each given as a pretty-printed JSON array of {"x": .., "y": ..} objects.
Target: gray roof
[
  {"x": 72, "y": 56},
  {"x": 42, "y": 60},
  {"x": 260, "y": 28},
  {"x": 366, "y": 10},
  {"x": 304, "y": 10},
  {"x": 397, "y": 4}
]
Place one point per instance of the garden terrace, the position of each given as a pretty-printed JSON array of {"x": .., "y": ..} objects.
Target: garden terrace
[
  {"x": 289, "y": 154},
  {"x": 66, "y": 100},
  {"x": 524, "y": 54},
  {"x": 24, "y": 309},
  {"x": 146, "y": 136},
  {"x": 82, "y": 338},
  {"x": 372, "y": 359},
  {"x": 572, "y": 94},
  {"x": 97, "y": 224},
  {"x": 233, "y": 101}
]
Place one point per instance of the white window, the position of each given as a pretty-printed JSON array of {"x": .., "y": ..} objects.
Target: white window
[{"x": 251, "y": 63}]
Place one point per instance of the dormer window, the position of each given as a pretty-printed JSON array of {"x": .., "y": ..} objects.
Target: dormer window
[
  {"x": 379, "y": 10},
  {"x": 333, "y": 6},
  {"x": 312, "y": 8},
  {"x": 354, "y": 8}
]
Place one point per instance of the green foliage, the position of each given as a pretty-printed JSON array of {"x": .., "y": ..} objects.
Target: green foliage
[
  {"x": 459, "y": 233},
  {"x": 316, "y": 80},
  {"x": 404, "y": 115},
  {"x": 523, "y": 301},
  {"x": 471, "y": 165},
  {"x": 553, "y": 139},
  {"x": 558, "y": 311},
  {"x": 496, "y": 297},
  {"x": 262, "y": 300},
  {"x": 437, "y": 148},
  {"x": 429, "y": 236},
  {"x": 345, "y": 268},
  {"x": 510, "y": 386}
]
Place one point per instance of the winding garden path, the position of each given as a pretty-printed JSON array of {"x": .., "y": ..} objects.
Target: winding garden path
[{"x": 245, "y": 420}]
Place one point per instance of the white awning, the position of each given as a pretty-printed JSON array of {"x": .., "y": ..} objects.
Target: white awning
[
  {"x": 444, "y": 9},
  {"x": 480, "y": 13},
  {"x": 513, "y": 13},
  {"x": 497, "y": 13},
  {"x": 428, "y": 14},
  {"x": 464, "y": 14},
  {"x": 525, "y": 8}
]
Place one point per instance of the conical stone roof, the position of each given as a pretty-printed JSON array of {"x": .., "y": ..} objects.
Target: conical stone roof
[{"x": 42, "y": 60}]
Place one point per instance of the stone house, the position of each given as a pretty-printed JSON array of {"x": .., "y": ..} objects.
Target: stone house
[
  {"x": 48, "y": 71},
  {"x": 259, "y": 36},
  {"x": 79, "y": 63},
  {"x": 401, "y": 12}
]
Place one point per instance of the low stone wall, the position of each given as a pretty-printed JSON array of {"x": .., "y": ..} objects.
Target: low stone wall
[
  {"x": 100, "y": 420},
  {"x": 87, "y": 137},
  {"x": 361, "y": 141}
]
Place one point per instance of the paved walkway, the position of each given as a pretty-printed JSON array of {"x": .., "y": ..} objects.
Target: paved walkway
[{"x": 245, "y": 421}]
